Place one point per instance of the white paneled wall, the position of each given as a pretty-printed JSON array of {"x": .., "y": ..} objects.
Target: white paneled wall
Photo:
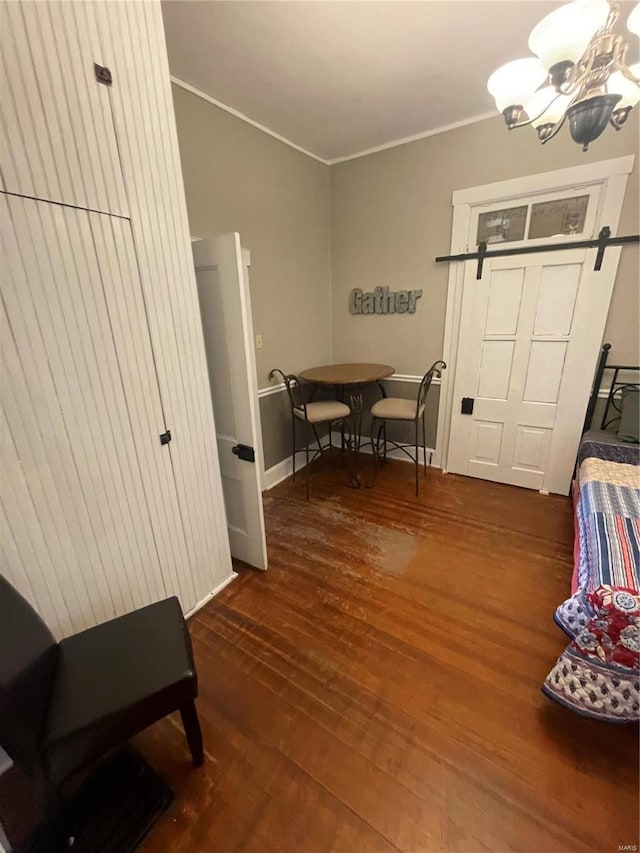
[
  {"x": 57, "y": 123},
  {"x": 160, "y": 227},
  {"x": 102, "y": 345}
]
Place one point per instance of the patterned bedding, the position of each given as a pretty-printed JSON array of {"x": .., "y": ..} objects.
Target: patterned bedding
[{"x": 598, "y": 673}]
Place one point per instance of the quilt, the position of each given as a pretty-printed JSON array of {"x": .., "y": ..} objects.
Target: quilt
[{"x": 598, "y": 673}]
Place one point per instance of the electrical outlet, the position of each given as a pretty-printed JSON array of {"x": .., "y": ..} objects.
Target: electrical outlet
[{"x": 258, "y": 341}]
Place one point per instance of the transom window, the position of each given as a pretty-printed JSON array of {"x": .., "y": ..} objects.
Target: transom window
[{"x": 553, "y": 217}]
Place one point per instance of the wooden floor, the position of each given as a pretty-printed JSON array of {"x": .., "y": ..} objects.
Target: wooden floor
[{"x": 379, "y": 687}]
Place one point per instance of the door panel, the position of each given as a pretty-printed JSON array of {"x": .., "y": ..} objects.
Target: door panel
[
  {"x": 524, "y": 329},
  {"x": 222, "y": 273},
  {"x": 496, "y": 361},
  {"x": 544, "y": 371},
  {"x": 557, "y": 296},
  {"x": 88, "y": 492},
  {"x": 503, "y": 305}
]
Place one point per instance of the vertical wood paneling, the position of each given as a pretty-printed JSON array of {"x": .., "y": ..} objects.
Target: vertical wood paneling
[
  {"x": 26, "y": 366},
  {"x": 84, "y": 412},
  {"x": 151, "y": 165},
  {"x": 102, "y": 345},
  {"x": 60, "y": 142},
  {"x": 127, "y": 313},
  {"x": 176, "y": 205}
]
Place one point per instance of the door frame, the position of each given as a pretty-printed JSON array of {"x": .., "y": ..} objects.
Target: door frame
[{"x": 612, "y": 176}]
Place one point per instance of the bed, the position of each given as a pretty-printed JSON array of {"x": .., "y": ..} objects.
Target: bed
[{"x": 597, "y": 675}]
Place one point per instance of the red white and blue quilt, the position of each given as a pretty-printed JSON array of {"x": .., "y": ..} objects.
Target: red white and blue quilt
[{"x": 598, "y": 674}]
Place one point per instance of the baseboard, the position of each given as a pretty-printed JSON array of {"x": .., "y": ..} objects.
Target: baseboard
[
  {"x": 392, "y": 453},
  {"x": 279, "y": 472},
  {"x": 211, "y": 595}
]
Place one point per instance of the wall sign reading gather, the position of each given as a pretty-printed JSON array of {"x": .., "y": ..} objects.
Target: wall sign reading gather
[{"x": 383, "y": 301}]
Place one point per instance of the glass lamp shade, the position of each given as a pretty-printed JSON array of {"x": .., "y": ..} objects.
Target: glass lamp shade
[
  {"x": 546, "y": 106},
  {"x": 513, "y": 84},
  {"x": 563, "y": 35},
  {"x": 620, "y": 85},
  {"x": 633, "y": 21}
]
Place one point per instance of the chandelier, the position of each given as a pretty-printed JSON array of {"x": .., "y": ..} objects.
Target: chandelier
[{"x": 579, "y": 74}]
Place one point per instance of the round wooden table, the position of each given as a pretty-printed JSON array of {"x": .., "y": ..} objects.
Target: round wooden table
[
  {"x": 349, "y": 380},
  {"x": 347, "y": 374}
]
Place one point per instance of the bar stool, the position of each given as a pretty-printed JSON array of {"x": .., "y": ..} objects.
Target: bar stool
[
  {"x": 399, "y": 409},
  {"x": 312, "y": 414}
]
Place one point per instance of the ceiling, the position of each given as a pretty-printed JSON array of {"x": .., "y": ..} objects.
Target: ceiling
[{"x": 339, "y": 78}]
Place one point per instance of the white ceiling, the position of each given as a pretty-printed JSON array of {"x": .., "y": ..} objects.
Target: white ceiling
[{"x": 339, "y": 78}]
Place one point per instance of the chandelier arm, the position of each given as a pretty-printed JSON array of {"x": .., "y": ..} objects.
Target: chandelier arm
[
  {"x": 621, "y": 66},
  {"x": 612, "y": 17},
  {"x": 540, "y": 115},
  {"x": 555, "y": 130},
  {"x": 579, "y": 74}
]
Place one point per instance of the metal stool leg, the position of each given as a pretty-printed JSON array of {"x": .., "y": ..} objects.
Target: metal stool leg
[
  {"x": 293, "y": 445},
  {"x": 417, "y": 459},
  {"x": 424, "y": 443},
  {"x": 307, "y": 460}
]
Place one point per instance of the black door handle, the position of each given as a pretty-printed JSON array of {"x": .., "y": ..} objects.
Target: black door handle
[
  {"x": 467, "y": 405},
  {"x": 244, "y": 452}
]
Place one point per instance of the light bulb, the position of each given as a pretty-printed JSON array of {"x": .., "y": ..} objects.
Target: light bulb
[{"x": 563, "y": 35}]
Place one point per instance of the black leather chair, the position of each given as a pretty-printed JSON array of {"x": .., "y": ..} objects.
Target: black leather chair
[{"x": 65, "y": 704}]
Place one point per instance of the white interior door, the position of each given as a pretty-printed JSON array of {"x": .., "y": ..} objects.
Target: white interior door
[
  {"x": 222, "y": 272},
  {"x": 530, "y": 333}
]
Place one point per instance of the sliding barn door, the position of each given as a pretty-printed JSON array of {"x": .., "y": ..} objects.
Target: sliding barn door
[
  {"x": 530, "y": 333},
  {"x": 89, "y": 502}
]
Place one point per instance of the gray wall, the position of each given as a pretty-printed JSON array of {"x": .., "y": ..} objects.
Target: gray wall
[
  {"x": 238, "y": 178},
  {"x": 275, "y": 415},
  {"x": 315, "y": 232},
  {"x": 391, "y": 214}
]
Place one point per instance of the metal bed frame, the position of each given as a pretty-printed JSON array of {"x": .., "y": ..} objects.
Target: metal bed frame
[{"x": 612, "y": 410}]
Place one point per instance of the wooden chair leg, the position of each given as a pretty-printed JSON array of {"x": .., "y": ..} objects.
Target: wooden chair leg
[{"x": 193, "y": 733}]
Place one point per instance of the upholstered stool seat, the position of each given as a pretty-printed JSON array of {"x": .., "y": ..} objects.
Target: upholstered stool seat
[
  {"x": 396, "y": 409},
  {"x": 322, "y": 411}
]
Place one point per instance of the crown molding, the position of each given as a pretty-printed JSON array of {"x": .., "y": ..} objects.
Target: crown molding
[
  {"x": 414, "y": 138},
  {"x": 330, "y": 162},
  {"x": 194, "y": 91}
]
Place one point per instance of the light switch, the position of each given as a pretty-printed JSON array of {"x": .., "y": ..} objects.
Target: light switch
[{"x": 258, "y": 341}]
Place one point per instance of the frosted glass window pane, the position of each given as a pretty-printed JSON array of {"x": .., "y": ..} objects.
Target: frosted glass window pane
[
  {"x": 562, "y": 216},
  {"x": 502, "y": 226}
]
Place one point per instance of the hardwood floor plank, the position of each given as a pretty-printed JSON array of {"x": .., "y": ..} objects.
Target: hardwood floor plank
[{"x": 378, "y": 688}]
